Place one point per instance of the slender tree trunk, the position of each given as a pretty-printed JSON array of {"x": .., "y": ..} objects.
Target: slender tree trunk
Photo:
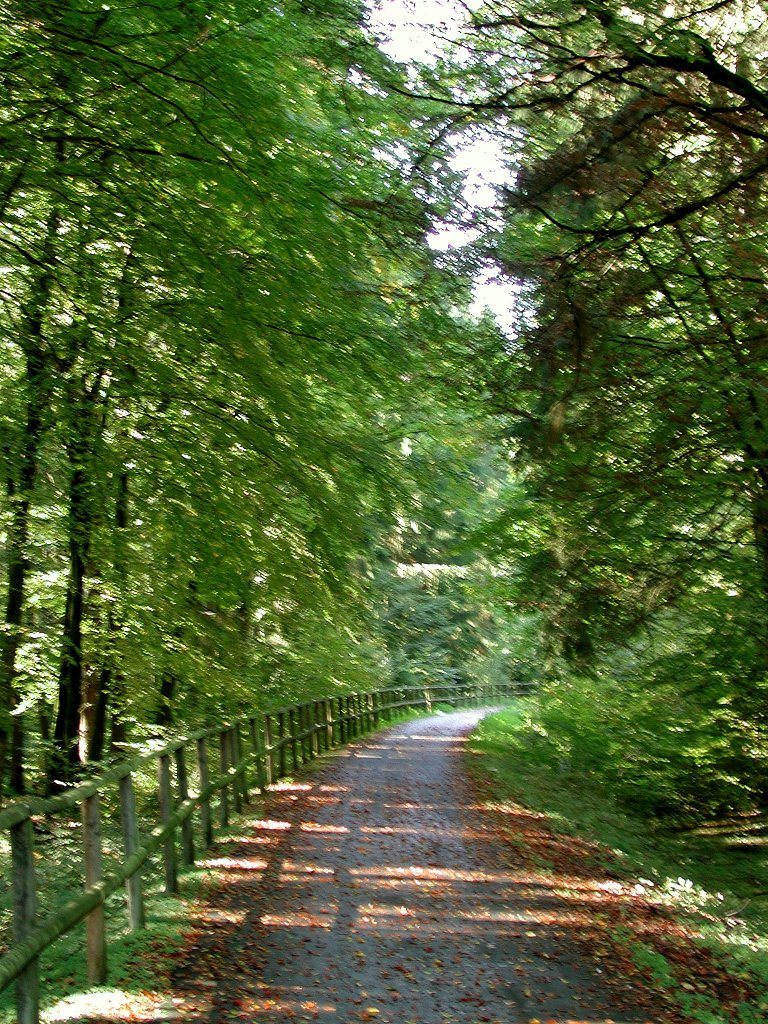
[
  {"x": 20, "y": 492},
  {"x": 118, "y": 733},
  {"x": 18, "y": 535},
  {"x": 760, "y": 529},
  {"x": 93, "y": 712},
  {"x": 115, "y": 685},
  {"x": 67, "y": 728},
  {"x": 16, "y": 779},
  {"x": 164, "y": 713},
  {"x": 44, "y": 715},
  {"x": 97, "y": 735}
]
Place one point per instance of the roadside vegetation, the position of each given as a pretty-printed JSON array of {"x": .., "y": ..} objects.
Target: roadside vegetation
[
  {"x": 684, "y": 907},
  {"x": 258, "y": 444}
]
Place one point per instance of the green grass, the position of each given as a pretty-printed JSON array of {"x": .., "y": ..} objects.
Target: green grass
[
  {"x": 136, "y": 959},
  {"x": 716, "y": 876}
]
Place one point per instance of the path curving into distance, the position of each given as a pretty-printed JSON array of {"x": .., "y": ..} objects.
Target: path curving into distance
[{"x": 374, "y": 890}]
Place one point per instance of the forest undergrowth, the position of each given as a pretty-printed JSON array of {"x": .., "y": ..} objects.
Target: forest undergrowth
[{"x": 682, "y": 908}]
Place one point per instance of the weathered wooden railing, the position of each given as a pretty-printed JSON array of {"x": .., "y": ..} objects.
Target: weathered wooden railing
[{"x": 251, "y": 753}]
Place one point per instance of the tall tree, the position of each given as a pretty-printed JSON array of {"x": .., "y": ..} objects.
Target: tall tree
[
  {"x": 212, "y": 323},
  {"x": 636, "y": 219}
]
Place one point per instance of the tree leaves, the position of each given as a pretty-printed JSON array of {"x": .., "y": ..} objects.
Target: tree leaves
[{"x": 212, "y": 260}]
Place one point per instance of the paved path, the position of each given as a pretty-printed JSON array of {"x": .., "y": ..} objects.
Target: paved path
[{"x": 373, "y": 892}]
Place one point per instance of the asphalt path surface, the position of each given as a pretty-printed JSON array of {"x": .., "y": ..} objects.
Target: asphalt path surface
[{"x": 376, "y": 889}]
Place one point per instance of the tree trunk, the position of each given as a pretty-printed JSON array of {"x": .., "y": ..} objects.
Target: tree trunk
[
  {"x": 118, "y": 733},
  {"x": 67, "y": 728},
  {"x": 114, "y": 685},
  {"x": 16, "y": 780},
  {"x": 93, "y": 712},
  {"x": 164, "y": 713},
  {"x": 20, "y": 493},
  {"x": 17, "y": 573},
  {"x": 44, "y": 715},
  {"x": 97, "y": 737},
  {"x": 760, "y": 529}
]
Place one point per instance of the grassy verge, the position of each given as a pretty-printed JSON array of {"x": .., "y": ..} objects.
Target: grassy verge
[
  {"x": 702, "y": 896},
  {"x": 139, "y": 962}
]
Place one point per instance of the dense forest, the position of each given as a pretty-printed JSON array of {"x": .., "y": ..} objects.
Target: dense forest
[{"x": 256, "y": 444}]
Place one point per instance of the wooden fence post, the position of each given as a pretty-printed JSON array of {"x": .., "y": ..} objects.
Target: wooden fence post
[
  {"x": 243, "y": 775},
  {"x": 95, "y": 935},
  {"x": 166, "y": 810},
  {"x": 326, "y": 723},
  {"x": 294, "y": 744},
  {"x": 231, "y": 742},
  {"x": 223, "y": 772},
  {"x": 269, "y": 754},
  {"x": 130, "y": 826},
  {"x": 282, "y": 739},
  {"x": 300, "y": 728},
  {"x": 316, "y": 735},
  {"x": 257, "y": 744},
  {"x": 24, "y": 911},
  {"x": 328, "y": 702},
  {"x": 182, "y": 792},
  {"x": 309, "y": 726},
  {"x": 206, "y": 821},
  {"x": 308, "y": 753},
  {"x": 342, "y": 730}
]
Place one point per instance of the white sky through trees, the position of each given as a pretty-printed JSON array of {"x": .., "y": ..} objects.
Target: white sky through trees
[{"x": 418, "y": 31}]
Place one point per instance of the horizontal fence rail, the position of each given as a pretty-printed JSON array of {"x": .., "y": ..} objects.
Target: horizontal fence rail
[{"x": 228, "y": 762}]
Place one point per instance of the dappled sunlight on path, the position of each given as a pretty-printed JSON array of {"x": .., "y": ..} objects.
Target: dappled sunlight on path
[{"x": 375, "y": 889}]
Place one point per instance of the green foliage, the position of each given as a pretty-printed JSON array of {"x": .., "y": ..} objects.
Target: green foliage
[
  {"x": 688, "y": 866},
  {"x": 219, "y": 314},
  {"x": 659, "y": 750},
  {"x": 632, "y": 537},
  {"x": 435, "y": 616}
]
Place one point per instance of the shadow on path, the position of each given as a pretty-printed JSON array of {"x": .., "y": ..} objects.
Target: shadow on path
[{"x": 371, "y": 891}]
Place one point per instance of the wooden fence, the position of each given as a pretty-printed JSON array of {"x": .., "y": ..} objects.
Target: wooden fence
[{"x": 248, "y": 754}]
